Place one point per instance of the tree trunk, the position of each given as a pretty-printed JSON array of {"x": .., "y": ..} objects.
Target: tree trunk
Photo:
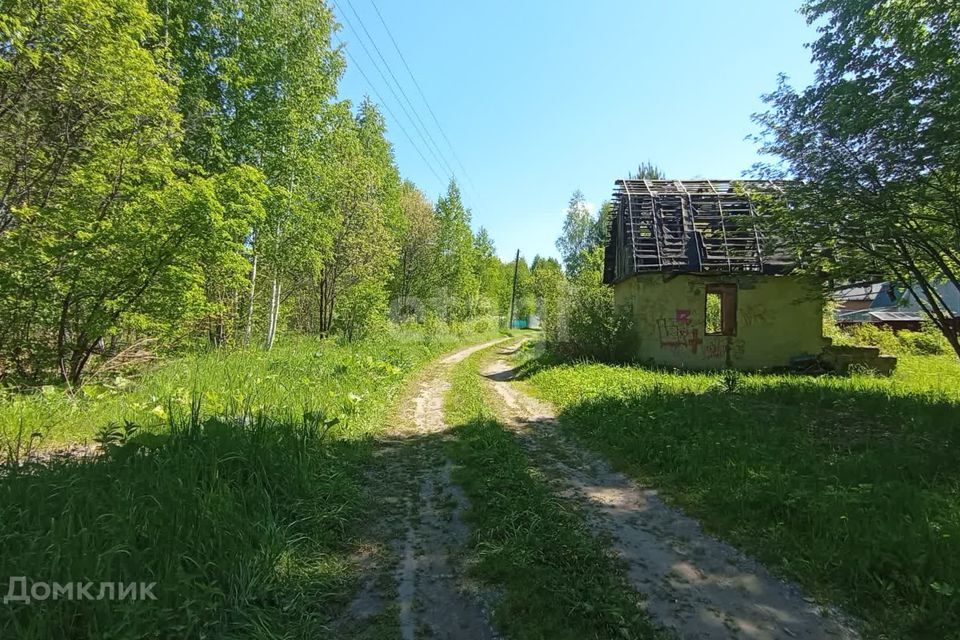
[
  {"x": 953, "y": 336},
  {"x": 327, "y": 299},
  {"x": 274, "y": 313},
  {"x": 248, "y": 329},
  {"x": 62, "y": 339},
  {"x": 404, "y": 288},
  {"x": 81, "y": 355}
]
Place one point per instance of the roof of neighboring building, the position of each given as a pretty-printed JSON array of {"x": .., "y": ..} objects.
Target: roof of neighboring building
[
  {"x": 896, "y": 316},
  {"x": 863, "y": 292},
  {"x": 689, "y": 226},
  {"x": 884, "y": 314},
  {"x": 887, "y": 296},
  {"x": 949, "y": 295}
]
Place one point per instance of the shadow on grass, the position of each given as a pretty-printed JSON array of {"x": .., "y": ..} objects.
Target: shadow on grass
[
  {"x": 852, "y": 489},
  {"x": 238, "y": 522}
]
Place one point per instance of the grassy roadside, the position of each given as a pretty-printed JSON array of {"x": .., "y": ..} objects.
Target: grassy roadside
[
  {"x": 244, "y": 510},
  {"x": 301, "y": 373},
  {"x": 849, "y": 485},
  {"x": 556, "y": 580}
]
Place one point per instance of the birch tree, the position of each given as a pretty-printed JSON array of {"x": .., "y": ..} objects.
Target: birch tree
[
  {"x": 455, "y": 257},
  {"x": 258, "y": 80}
]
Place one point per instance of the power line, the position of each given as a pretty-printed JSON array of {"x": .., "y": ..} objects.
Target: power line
[
  {"x": 424, "y": 98},
  {"x": 390, "y": 112},
  {"x": 403, "y": 93},
  {"x": 387, "y": 82}
]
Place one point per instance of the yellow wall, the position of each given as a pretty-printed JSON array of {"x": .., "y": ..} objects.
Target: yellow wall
[{"x": 778, "y": 318}]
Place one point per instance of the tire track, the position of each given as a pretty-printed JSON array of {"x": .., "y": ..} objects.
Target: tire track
[{"x": 693, "y": 583}]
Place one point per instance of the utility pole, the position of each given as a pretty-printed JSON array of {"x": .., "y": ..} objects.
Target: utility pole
[{"x": 513, "y": 296}]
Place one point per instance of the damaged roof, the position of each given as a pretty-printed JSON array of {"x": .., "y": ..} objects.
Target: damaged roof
[{"x": 689, "y": 226}]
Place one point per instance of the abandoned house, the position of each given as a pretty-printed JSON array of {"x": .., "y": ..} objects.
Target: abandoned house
[{"x": 705, "y": 291}]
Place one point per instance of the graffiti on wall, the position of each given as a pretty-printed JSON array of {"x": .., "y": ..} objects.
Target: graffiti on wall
[
  {"x": 715, "y": 349},
  {"x": 678, "y": 332},
  {"x": 729, "y": 350},
  {"x": 754, "y": 314}
]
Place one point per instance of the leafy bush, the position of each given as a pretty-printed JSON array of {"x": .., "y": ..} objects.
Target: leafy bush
[
  {"x": 589, "y": 325},
  {"x": 872, "y": 335},
  {"x": 458, "y": 328},
  {"x": 927, "y": 341},
  {"x": 433, "y": 326},
  {"x": 483, "y": 325}
]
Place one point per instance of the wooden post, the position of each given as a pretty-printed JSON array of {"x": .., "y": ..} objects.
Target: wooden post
[{"x": 513, "y": 296}]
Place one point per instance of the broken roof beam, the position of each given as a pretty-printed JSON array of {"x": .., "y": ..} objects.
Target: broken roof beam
[{"x": 689, "y": 225}]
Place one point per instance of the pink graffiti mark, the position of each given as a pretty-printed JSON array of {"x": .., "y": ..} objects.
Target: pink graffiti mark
[
  {"x": 683, "y": 316},
  {"x": 678, "y": 335}
]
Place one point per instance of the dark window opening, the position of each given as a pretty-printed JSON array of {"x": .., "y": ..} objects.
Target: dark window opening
[{"x": 721, "y": 310}]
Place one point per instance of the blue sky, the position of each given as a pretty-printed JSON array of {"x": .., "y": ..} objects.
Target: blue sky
[{"x": 541, "y": 98}]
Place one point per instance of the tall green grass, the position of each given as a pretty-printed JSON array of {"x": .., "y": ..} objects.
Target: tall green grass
[
  {"x": 850, "y": 485},
  {"x": 239, "y": 523},
  {"x": 231, "y": 480},
  {"x": 299, "y": 374}
]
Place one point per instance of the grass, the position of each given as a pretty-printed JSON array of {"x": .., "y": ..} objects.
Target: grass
[
  {"x": 849, "y": 485},
  {"x": 239, "y": 494},
  {"x": 556, "y": 581},
  {"x": 301, "y": 374},
  {"x": 241, "y": 526}
]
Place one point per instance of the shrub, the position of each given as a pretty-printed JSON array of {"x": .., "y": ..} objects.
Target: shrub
[
  {"x": 871, "y": 335},
  {"x": 458, "y": 328},
  {"x": 590, "y": 326},
  {"x": 483, "y": 325},
  {"x": 927, "y": 341},
  {"x": 433, "y": 327}
]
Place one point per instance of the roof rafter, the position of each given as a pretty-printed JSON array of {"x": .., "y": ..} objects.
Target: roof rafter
[{"x": 688, "y": 226}]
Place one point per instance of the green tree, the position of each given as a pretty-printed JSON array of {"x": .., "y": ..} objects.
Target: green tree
[
  {"x": 601, "y": 230},
  {"x": 243, "y": 194},
  {"x": 874, "y": 148},
  {"x": 525, "y": 302},
  {"x": 548, "y": 286},
  {"x": 648, "y": 171},
  {"x": 578, "y": 236},
  {"x": 415, "y": 276},
  {"x": 455, "y": 254},
  {"x": 257, "y": 78},
  {"x": 95, "y": 223},
  {"x": 367, "y": 226},
  {"x": 488, "y": 272}
]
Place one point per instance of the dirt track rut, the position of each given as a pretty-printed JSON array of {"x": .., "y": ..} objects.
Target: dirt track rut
[
  {"x": 426, "y": 585},
  {"x": 694, "y": 584}
]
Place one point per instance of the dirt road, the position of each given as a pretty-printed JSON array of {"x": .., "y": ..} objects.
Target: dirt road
[
  {"x": 424, "y": 529},
  {"x": 416, "y": 585},
  {"x": 694, "y": 584}
]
